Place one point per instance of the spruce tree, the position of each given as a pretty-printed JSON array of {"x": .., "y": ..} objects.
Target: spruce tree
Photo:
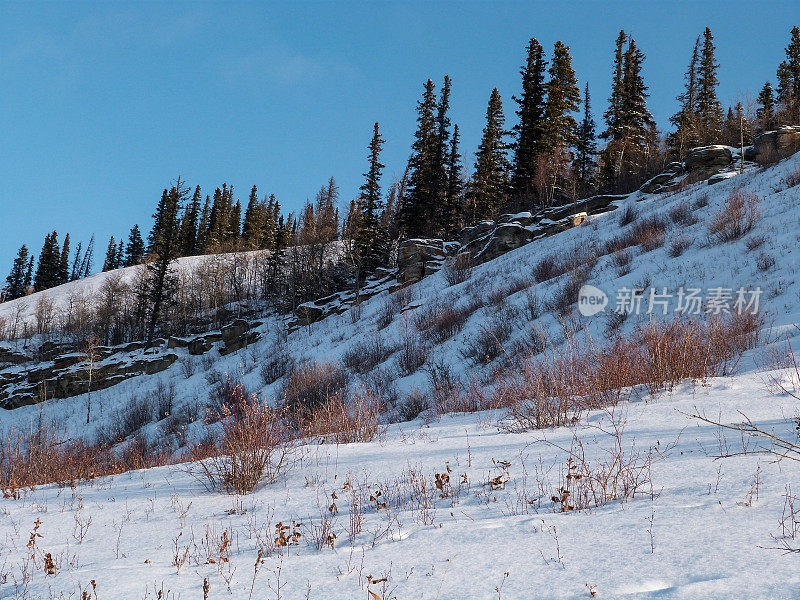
[
  {"x": 203, "y": 225},
  {"x": 419, "y": 205},
  {"x": 563, "y": 98},
  {"x": 88, "y": 259},
  {"x": 111, "y": 255},
  {"x": 76, "y": 262},
  {"x": 234, "y": 232},
  {"x": 613, "y": 132},
  {"x": 49, "y": 263},
  {"x": 685, "y": 120},
  {"x": 635, "y": 119},
  {"x": 766, "y": 108},
  {"x": 134, "y": 251},
  {"x": 439, "y": 183},
  {"x": 157, "y": 218},
  {"x": 491, "y": 163},
  {"x": 15, "y": 282},
  {"x": 189, "y": 225},
  {"x": 709, "y": 110},
  {"x": 369, "y": 252},
  {"x": 531, "y": 107},
  {"x": 28, "y": 281},
  {"x": 789, "y": 79},
  {"x": 165, "y": 249},
  {"x": 63, "y": 265},
  {"x": 253, "y": 226},
  {"x": 119, "y": 261},
  {"x": 455, "y": 189},
  {"x": 586, "y": 145}
]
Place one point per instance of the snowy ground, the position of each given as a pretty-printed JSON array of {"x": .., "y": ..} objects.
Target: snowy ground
[{"x": 701, "y": 528}]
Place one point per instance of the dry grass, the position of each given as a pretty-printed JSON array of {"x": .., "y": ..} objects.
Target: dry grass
[
  {"x": 309, "y": 386},
  {"x": 736, "y": 218},
  {"x": 648, "y": 233},
  {"x": 368, "y": 354},
  {"x": 792, "y": 178},
  {"x": 347, "y": 418},
  {"x": 458, "y": 270}
]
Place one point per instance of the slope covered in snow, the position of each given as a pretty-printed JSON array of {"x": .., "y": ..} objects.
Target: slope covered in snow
[{"x": 695, "y": 527}]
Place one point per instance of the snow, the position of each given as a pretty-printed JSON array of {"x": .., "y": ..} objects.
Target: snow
[{"x": 710, "y": 535}]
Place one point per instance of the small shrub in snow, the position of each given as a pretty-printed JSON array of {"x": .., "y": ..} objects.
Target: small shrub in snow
[
  {"x": 487, "y": 343},
  {"x": 444, "y": 323},
  {"x": 547, "y": 268},
  {"x": 682, "y": 215},
  {"x": 458, "y": 270},
  {"x": 623, "y": 258},
  {"x": 792, "y": 178},
  {"x": 648, "y": 233},
  {"x": 309, "y": 386},
  {"x": 366, "y": 355},
  {"x": 347, "y": 418},
  {"x": 736, "y": 218},
  {"x": 678, "y": 246},
  {"x": 413, "y": 351},
  {"x": 765, "y": 262},
  {"x": 628, "y": 215},
  {"x": 754, "y": 241},
  {"x": 701, "y": 201},
  {"x": 250, "y": 448},
  {"x": 565, "y": 296},
  {"x": 275, "y": 366},
  {"x": 412, "y": 405}
]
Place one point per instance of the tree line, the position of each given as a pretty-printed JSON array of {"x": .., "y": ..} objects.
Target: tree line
[{"x": 551, "y": 155}]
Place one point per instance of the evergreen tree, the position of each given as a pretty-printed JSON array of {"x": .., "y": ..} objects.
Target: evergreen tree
[
  {"x": 253, "y": 226},
  {"x": 369, "y": 251},
  {"x": 203, "y": 226},
  {"x": 789, "y": 79},
  {"x": 270, "y": 231},
  {"x": 531, "y": 116},
  {"x": 28, "y": 281},
  {"x": 455, "y": 189},
  {"x": 157, "y": 218},
  {"x": 635, "y": 119},
  {"x": 49, "y": 263},
  {"x": 63, "y": 264},
  {"x": 440, "y": 155},
  {"x": 76, "y": 262},
  {"x": 586, "y": 146},
  {"x": 563, "y": 98},
  {"x": 15, "y": 282},
  {"x": 88, "y": 259},
  {"x": 766, "y": 108},
  {"x": 612, "y": 116},
  {"x": 234, "y": 232},
  {"x": 419, "y": 203},
  {"x": 685, "y": 120},
  {"x": 165, "y": 249},
  {"x": 109, "y": 264},
  {"x": 119, "y": 261},
  {"x": 709, "y": 110},
  {"x": 134, "y": 251},
  {"x": 216, "y": 221},
  {"x": 189, "y": 225},
  {"x": 491, "y": 163}
]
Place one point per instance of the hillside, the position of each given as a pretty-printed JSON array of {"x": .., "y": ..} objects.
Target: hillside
[{"x": 671, "y": 522}]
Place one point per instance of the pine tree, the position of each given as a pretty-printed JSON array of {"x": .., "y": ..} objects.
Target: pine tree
[
  {"x": 766, "y": 108},
  {"x": 253, "y": 226},
  {"x": 234, "y": 232},
  {"x": 216, "y": 220},
  {"x": 28, "y": 281},
  {"x": 685, "y": 120},
  {"x": 63, "y": 264},
  {"x": 15, "y": 282},
  {"x": 635, "y": 119},
  {"x": 134, "y": 251},
  {"x": 189, "y": 225},
  {"x": 157, "y": 217},
  {"x": 709, "y": 110},
  {"x": 88, "y": 259},
  {"x": 491, "y": 164},
  {"x": 789, "y": 79},
  {"x": 203, "y": 225},
  {"x": 586, "y": 146},
  {"x": 563, "y": 98},
  {"x": 370, "y": 253},
  {"x": 419, "y": 205},
  {"x": 76, "y": 262},
  {"x": 455, "y": 188},
  {"x": 49, "y": 263},
  {"x": 119, "y": 261},
  {"x": 612, "y": 116},
  {"x": 440, "y": 154},
  {"x": 165, "y": 250},
  {"x": 111, "y": 255},
  {"x": 531, "y": 116},
  {"x": 270, "y": 230}
]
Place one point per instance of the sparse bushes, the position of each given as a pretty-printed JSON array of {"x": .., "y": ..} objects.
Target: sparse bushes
[
  {"x": 623, "y": 258},
  {"x": 765, "y": 262},
  {"x": 368, "y": 354},
  {"x": 347, "y": 418},
  {"x": 412, "y": 405},
  {"x": 487, "y": 344},
  {"x": 736, "y": 218},
  {"x": 547, "y": 268},
  {"x": 678, "y": 246},
  {"x": 628, "y": 215},
  {"x": 792, "y": 178},
  {"x": 555, "y": 387},
  {"x": 250, "y": 448},
  {"x": 682, "y": 215},
  {"x": 754, "y": 241},
  {"x": 441, "y": 324},
  {"x": 309, "y": 386},
  {"x": 647, "y": 233},
  {"x": 566, "y": 295},
  {"x": 457, "y": 270},
  {"x": 413, "y": 351},
  {"x": 275, "y": 366}
]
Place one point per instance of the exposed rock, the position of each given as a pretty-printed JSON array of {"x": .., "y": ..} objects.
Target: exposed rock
[
  {"x": 667, "y": 181},
  {"x": 176, "y": 342},
  {"x": 708, "y": 158},
  {"x": 417, "y": 258},
  {"x": 504, "y": 238},
  {"x": 8, "y": 356},
  {"x": 234, "y": 331},
  {"x": 199, "y": 345},
  {"x": 782, "y": 142}
]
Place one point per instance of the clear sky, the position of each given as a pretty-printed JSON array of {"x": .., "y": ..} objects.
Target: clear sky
[{"x": 103, "y": 104}]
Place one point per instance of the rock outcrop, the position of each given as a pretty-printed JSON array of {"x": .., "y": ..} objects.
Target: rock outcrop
[{"x": 772, "y": 145}]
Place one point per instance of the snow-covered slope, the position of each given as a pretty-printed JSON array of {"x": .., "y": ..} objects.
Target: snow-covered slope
[{"x": 700, "y": 530}]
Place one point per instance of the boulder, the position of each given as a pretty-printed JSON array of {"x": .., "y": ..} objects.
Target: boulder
[
  {"x": 503, "y": 239},
  {"x": 8, "y": 356},
  {"x": 234, "y": 331},
  {"x": 308, "y": 313},
  {"x": 470, "y": 234},
  {"x": 667, "y": 181},
  {"x": 199, "y": 345},
  {"x": 419, "y": 257},
  {"x": 782, "y": 142},
  {"x": 711, "y": 159}
]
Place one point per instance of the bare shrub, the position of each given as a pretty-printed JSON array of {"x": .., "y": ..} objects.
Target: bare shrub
[
  {"x": 309, "y": 386},
  {"x": 275, "y": 366},
  {"x": 678, "y": 246},
  {"x": 768, "y": 157},
  {"x": 251, "y": 447},
  {"x": 736, "y": 218},
  {"x": 648, "y": 233},
  {"x": 164, "y": 399},
  {"x": 547, "y": 268},
  {"x": 628, "y": 215},
  {"x": 623, "y": 258},
  {"x": 444, "y": 323},
  {"x": 754, "y": 241},
  {"x": 228, "y": 396},
  {"x": 487, "y": 343},
  {"x": 412, "y": 405},
  {"x": 765, "y": 262},
  {"x": 532, "y": 306},
  {"x": 792, "y": 178},
  {"x": 682, "y": 214},
  {"x": 347, "y": 418},
  {"x": 458, "y": 270},
  {"x": 368, "y": 354},
  {"x": 565, "y": 296},
  {"x": 413, "y": 351}
]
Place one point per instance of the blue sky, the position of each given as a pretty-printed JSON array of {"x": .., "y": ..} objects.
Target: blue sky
[{"x": 103, "y": 104}]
